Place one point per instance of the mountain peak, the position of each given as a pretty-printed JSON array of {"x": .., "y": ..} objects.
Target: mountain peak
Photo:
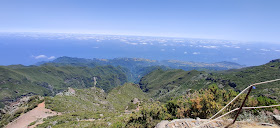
[{"x": 276, "y": 60}]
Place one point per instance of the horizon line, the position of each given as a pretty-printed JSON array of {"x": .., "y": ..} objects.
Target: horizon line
[{"x": 159, "y": 36}]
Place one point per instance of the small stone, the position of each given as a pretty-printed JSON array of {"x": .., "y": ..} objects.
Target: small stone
[
  {"x": 54, "y": 123},
  {"x": 109, "y": 123},
  {"x": 266, "y": 124}
]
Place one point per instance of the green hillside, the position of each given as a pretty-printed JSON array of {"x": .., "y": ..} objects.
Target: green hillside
[
  {"x": 240, "y": 79},
  {"x": 92, "y": 104},
  {"x": 121, "y": 96},
  {"x": 162, "y": 94},
  {"x": 45, "y": 80},
  {"x": 165, "y": 84},
  {"x": 136, "y": 68}
]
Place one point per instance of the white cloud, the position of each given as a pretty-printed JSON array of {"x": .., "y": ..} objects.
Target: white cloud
[
  {"x": 43, "y": 57},
  {"x": 277, "y": 50},
  {"x": 248, "y": 49},
  {"x": 235, "y": 59},
  {"x": 173, "y": 49},
  {"x": 196, "y": 53},
  {"x": 40, "y": 57},
  {"x": 162, "y": 50},
  {"x": 132, "y": 43},
  {"x": 95, "y": 47},
  {"x": 52, "y": 57},
  {"x": 237, "y": 47},
  {"x": 144, "y": 43},
  {"x": 185, "y": 52},
  {"x": 209, "y": 46},
  {"x": 266, "y": 50}
]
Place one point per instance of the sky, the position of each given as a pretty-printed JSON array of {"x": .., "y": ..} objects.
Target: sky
[{"x": 245, "y": 20}]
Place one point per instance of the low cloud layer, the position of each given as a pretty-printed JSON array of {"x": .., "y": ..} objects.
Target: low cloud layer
[
  {"x": 196, "y": 53},
  {"x": 44, "y": 57}
]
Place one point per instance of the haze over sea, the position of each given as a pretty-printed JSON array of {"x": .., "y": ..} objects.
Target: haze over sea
[{"x": 30, "y": 48}]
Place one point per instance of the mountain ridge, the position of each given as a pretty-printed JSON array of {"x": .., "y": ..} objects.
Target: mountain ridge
[
  {"x": 172, "y": 82},
  {"x": 65, "y": 59},
  {"x": 49, "y": 80}
]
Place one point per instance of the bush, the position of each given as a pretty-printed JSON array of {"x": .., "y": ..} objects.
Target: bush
[
  {"x": 148, "y": 116},
  {"x": 264, "y": 101},
  {"x": 32, "y": 123}
]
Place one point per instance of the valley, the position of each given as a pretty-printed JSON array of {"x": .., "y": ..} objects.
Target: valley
[
  {"x": 139, "y": 64},
  {"x": 130, "y": 92}
]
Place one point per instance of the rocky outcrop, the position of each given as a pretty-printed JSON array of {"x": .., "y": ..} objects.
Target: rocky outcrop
[
  {"x": 136, "y": 100},
  {"x": 190, "y": 123},
  {"x": 94, "y": 81},
  {"x": 162, "y": 124},
  {"x": 69, "y": 92}
]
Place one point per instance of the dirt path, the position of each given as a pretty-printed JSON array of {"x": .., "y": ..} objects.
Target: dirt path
[{"x": 36, "y": 114}]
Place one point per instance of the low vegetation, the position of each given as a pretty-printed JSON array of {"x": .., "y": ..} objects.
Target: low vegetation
[
  {"x": 203, "y": 104},
  {"x": 162, "y": 84},
  {"x": 85, "y": 108},
  {"x": 92, "y": 107},
  {"x": 240, "y": 79},
  {"x": 162, "y": 94},
  {"x": 16, "y": 81}
]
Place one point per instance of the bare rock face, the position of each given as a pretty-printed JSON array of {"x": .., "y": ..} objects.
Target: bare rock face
[
  {"x": 200, "y": 123},
  {"x": 94, "y": 81},
  {"x": 188, "y": 123},
  {"x": 135, "y": 101},
  {"x": 70, "y": 92},
  {"x": 162, "y": 124}
]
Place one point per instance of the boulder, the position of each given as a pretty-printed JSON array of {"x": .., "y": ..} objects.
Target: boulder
[
  {"x": 135, "y": 101},
  {"x": 162, "y": 124},
  {"x": 276, "y": 118}
]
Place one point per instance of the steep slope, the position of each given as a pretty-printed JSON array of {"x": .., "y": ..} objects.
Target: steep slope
[
  {"x": 16, "y": 81},
  {"x": 240, "y": 79},
  {"x": 135, "y": 68},
  {"x": 161, "y": 84},
  {"x": 131, "y": 63},
  {"x": 91, "y": 107},
  {"x": 121, "y": 96},
  {"x": 187, "y": 66}
]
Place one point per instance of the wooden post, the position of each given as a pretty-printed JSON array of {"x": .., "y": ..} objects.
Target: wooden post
[{"x": 240, "y": 108}]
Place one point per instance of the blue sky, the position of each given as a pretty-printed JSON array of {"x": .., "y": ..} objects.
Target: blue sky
[{"x": 247, "y": 20}]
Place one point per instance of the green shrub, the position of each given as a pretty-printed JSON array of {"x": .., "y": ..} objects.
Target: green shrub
[{"x": 32, "y": 123}]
